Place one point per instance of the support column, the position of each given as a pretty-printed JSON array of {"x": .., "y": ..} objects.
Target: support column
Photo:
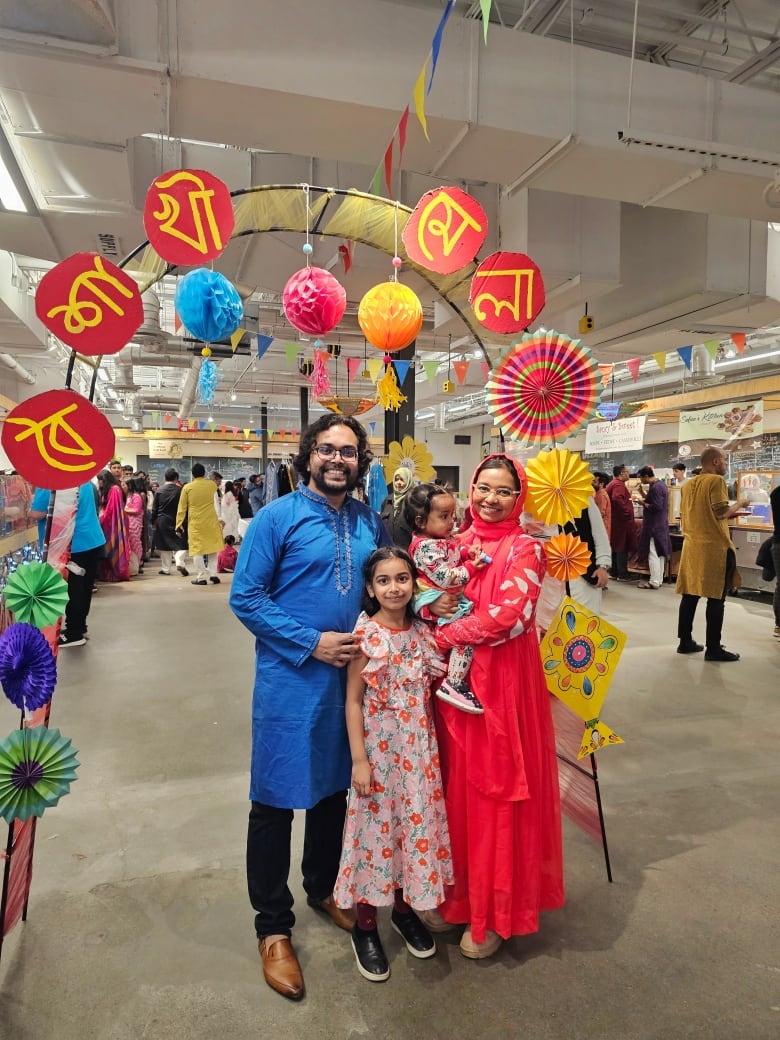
[
  {"x": 264, "y": 436},
  {"x": 400, "y": 424},
  {"x": 303, "y": 405}
]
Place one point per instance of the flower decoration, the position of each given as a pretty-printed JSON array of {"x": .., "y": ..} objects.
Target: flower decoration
[
  {"x": 579, "y": 654},
  {"x": 568, "y": 557},
  {"x": 314, "y": 301},
  {"x": 28, "y": 669},
  {"x": 37, "y": 767},
  {"x": 208, "y": 305},
  {"x": 390, "y": 316},
  {"x": 36, "y": 593},
  {"x": 412, "y": 454},
  {"x": 559, "y": 486}
]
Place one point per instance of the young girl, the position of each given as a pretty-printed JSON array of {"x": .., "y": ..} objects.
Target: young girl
[
  {"x": 135, "y": 511},
  {"x": 226, "y": 561},
  {"x": 396, "y": 842},
  {"x": 443, "y": 566}
]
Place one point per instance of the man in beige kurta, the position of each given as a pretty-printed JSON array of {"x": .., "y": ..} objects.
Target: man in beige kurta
[
  {"x": 204, "y": 532},
  {"x": 708, "y": 559}
]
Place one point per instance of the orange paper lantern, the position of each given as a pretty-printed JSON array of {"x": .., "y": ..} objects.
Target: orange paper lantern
[{"x": 390, "y": 316}]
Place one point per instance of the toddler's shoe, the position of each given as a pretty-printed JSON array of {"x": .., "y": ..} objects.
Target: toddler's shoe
[
  {"x": 419, "y": 941},
  {"x": 371, "y": 960},
  {"x": 460, "y": 696}
]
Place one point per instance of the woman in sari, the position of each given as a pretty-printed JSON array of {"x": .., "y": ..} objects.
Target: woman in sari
[
  {"x": 135, "y": 511},
  {"x": 116, "y": 564},
  {"x": 499, "y": 769}
]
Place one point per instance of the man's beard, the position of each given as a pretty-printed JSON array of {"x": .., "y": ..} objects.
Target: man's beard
[{"x": 320, "y": 481}]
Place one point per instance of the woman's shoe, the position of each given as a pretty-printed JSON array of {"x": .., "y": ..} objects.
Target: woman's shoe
[
  {"x": 371, "y": 960},
  {"x": 434, "y": 922},
  {"x": 478, "y": 951}
]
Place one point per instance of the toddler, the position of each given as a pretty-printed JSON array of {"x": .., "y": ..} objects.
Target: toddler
[{"x": 226, "y": 560}]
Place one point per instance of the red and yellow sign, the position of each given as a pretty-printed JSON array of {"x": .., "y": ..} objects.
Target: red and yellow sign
[
  {"x": 57, "y": 440},
  {"x": 188, "y": 216},
  {"x": 507, "y": 292},
  {"x": 445, "y": 231},
  {"x": 90, "y": 304}
]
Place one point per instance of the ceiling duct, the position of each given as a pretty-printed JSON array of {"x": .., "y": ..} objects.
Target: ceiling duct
[
  {"x": 703, "y": 365},
  {"x": 151, "y": 333}
]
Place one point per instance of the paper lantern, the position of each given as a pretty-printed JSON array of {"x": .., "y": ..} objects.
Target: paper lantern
[
  {"x": 314, "y": 301},
  {"x": 390, "y": 316},
  {"x": 208, "y": 305}
]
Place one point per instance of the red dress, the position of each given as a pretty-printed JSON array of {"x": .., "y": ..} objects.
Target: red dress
[{"x": 499, "y": 769}]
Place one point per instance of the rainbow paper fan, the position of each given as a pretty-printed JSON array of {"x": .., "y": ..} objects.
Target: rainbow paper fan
[
  {"x": 544, "y": 389},
  {"x": 559, "y": 486},
  {"x": 568, "y": 557}
]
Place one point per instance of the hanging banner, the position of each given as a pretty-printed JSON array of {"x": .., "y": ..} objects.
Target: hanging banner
[
  {"x": 188, "y": 216},
  {"x": 445, "y": 231},
  {"x": 507, "y": 292},
  {"x": 167, "y": 449},
  {"x": 620, "y": 435},
  {"x": 724, "y": 425}
]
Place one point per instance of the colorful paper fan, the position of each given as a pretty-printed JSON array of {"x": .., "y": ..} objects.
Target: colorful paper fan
[
  {"x": 37, "y": 767},
  {"x": 568, "y": 557},
  {"x": 544, "y": 389},
  {"x": 28, "y": 669},
  {"x": 559, "y": 486},
  {"x": 36, "y": 593}
]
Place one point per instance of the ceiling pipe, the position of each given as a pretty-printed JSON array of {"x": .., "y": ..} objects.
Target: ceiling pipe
[
  {"x": 20, "y": 370},
  {"x": 189, "y": 389}
]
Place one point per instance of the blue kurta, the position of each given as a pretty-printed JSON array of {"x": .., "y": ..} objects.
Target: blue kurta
[{"x": 299, "y": 574}]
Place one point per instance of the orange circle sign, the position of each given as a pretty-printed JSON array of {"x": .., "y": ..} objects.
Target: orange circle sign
[
  {"x": 445, "y": 231},
  {"x": 57, "y": 440},
  {"x": 188, "y": 216}
]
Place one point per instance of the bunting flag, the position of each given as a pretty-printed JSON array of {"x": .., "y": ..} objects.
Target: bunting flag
[
  {"x": 461, "y": 370},
  {"x": 193, "y": 424},
  {"x": 388, "y": 161},
  {"x": 436, "y": 44},
  {"x": 177, "y": 322},
  {"x": 401, "y": 370},
  {"x": 263, "y": 343},
  {"x": 633, "y": 367},
  {"x": 418, "y": 95},
  {"x": 660, "y": 359},
  {"x": 712, "y": 346},
  {"x": 402, "y": 122},
  {"x": 431, "y": 368},
  {"x": 236, "y": 337},
  {"x": 685, "y": 355},
  {"x": 738, "y": 339},
  {"x": 246, "y": 434},
  {"x": 291, "y": 352},
  {"x": 606, "y": 373},
  {"x": 485, "y": 369},
  {"x": 375, "y": 366},
  {"x": 372, "y": 426},
  {"x": 345, "y": 252},
  {"x": 353, "y": 366},
  {"x": 235, "y": 431},
  {"x": 485, "y": 6},
  {"x": 202, "y": 424},
  {"x": 258, "y": 433},
  {"x": 223, "y": 428},
  {"x": 271, "y": 433},
  {"x": 167, "y": 417},
  {"x": 376, "y": 182},
  {"x": 155, "y": 417},
  {"x": 212, "y": 426}
]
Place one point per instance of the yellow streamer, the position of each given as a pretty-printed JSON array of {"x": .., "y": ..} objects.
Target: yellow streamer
[{"x": 388, "y": 391}]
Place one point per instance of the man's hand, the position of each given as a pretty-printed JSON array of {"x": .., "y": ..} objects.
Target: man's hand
[
  {"x": 445, "y": 605},
  {"x": 601, "y": 574},
  {"x": 336, "y": 648}
]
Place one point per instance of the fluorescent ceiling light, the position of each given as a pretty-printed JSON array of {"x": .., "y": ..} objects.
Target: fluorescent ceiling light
[
  {"x": 692, "y": 146},
  {"x": 14, "y": 194},
  {"x": 748, "y": 357}
]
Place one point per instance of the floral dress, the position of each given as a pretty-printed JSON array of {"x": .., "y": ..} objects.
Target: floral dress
[{"x": 397, "y": 837}]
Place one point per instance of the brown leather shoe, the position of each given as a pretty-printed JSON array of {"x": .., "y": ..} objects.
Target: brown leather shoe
[
  {"x": 343, "y": 918},
  {"x": 281, "y": 968}
]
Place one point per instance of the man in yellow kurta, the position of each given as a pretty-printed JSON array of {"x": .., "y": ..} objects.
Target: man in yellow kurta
[
  {"x": 708, "y": 559},
  {"x": 204, "y": 533}
]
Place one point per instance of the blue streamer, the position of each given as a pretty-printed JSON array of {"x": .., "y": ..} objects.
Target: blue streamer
[{"x": 208, "y": 378}]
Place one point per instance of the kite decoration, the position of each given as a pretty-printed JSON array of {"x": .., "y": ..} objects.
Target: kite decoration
[
  {"x": 57, "y": 439},
  {"x": 208, "y": 305},
  {"x": 411, "y": 454},
  {"x": 28, "y": 669},
  {"x": 37, "y": 767},
  {"x": 544, "y": 389},
  {"x": 560, "y": 485},
  {"x": 580, "y": 652},
  {"x": 90, "y": 304},
  {"x": 446, "y": 230},
  {"x": 188, "y": 216},
  {"x": 36, "y": 593},
  {"x": 507, "y": 292},
  {"x": 568, "y": 557}
]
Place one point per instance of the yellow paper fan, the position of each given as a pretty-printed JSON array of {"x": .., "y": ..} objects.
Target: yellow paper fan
[
  {"x": 568, "y": 557},
  {"x": 388, "y": 391},
  {"x": 559, "y": 486}
]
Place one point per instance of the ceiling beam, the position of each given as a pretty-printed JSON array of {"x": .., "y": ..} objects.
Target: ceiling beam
[{"x": 755, "y": 65}]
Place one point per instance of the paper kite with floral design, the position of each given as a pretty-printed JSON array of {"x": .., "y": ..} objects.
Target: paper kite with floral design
[{"x": 413, "y": 455}]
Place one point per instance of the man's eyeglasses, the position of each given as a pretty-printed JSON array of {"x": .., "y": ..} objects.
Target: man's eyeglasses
[
  {"x": 327, "y": 451},
  {"x": 483, "y": 490}
]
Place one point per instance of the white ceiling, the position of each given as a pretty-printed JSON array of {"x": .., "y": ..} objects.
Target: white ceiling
[{"x": 97, "y": 97}]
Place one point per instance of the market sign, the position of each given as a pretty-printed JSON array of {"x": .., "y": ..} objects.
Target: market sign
[
  {"x": 621, "y": 435},
  {"x": 166, "y": 449},
  {"x": 722, "y": 424}
]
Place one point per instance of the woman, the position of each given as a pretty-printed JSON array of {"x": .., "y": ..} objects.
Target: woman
[
  {"x": 116, "y": 564},
  {"x": 500, "y": 771},
  {"x": 229, "y": 514},
  {"x": 135, "y": 511},
  {"x": 393, "y": 508}
]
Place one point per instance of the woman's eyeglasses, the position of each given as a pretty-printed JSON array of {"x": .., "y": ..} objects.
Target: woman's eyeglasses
[
  {"x": 484, "y": 491},
  {"x": 327, "y": 451}
]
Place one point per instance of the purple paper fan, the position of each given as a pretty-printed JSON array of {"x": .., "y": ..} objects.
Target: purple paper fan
[{"x": 28, "y": 670}]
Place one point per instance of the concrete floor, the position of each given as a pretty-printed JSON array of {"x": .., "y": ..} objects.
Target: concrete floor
[{"x": 139, "y": 925}]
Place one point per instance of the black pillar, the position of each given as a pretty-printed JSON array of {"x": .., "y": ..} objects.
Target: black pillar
[
  {"x": 400, "y": 424},
  {"x": 264, "y": 435},
  {"x": 303, "y": 398}
]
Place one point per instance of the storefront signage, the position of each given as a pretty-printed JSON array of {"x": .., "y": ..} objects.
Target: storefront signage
[
  {"x": 725, "y": 425},
  {"x": 166, "y": 449},
  {"x": 620, "y": 435}
]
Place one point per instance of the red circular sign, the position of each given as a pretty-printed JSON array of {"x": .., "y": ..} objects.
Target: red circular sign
[
  {"x": 507, "y": 292},
  {"x": 90, "y": 304},
  {"x": 445, "y": 231},
  {"x": 188, "y": 216},
  {"x": 57, "y": 440}
]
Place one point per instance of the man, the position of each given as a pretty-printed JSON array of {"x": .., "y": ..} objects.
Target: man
[
  {"x": 257, "y": 493},
  {"x": 601, "y": 498},
  {"x": 164, "y": 510},
  {"x": 242, "y": 494},
  {"x": 678, "y": 473},
  {"x": 708, "y": 558},
  {"x": 589, "y": 527},
  {"x": 204, "y": 534},
  {"x": 115, "y": 467},
  {"x": 622, "y": 530},
  {"x": 655, "y": 545},
  {"x": 298, "y": 587}
]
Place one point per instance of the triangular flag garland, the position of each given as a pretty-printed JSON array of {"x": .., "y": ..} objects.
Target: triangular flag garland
[
  {"x": 712, "y": 346},
  {"x": 401, "y": 369},
  {"x": 660, "y": 359},
  {"x": 436, "y": 44},
  {"x": 291, "y": 352},
  {"x": 375, "y": 366},
  {"x": 236, "y": 337},
  {"x": 263, "y": 343},
  {"x": 633, "y": 367},
  {"x": 485, "y": 369},
  {"x": 418, "y": 95},
  {"x": 430, "y": 368},
  {"x": 485, "y": 6},
  {"x": 353, "y": 366},
  {"x": 605, "y": 372},
  {"x": 738, "y": 339},
  {"x": 686, "y": 353}
]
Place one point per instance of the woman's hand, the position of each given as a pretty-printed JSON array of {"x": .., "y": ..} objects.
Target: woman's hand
[
  {"x": 445, "y": 606},
  {"x": 361, "y": 777}
]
